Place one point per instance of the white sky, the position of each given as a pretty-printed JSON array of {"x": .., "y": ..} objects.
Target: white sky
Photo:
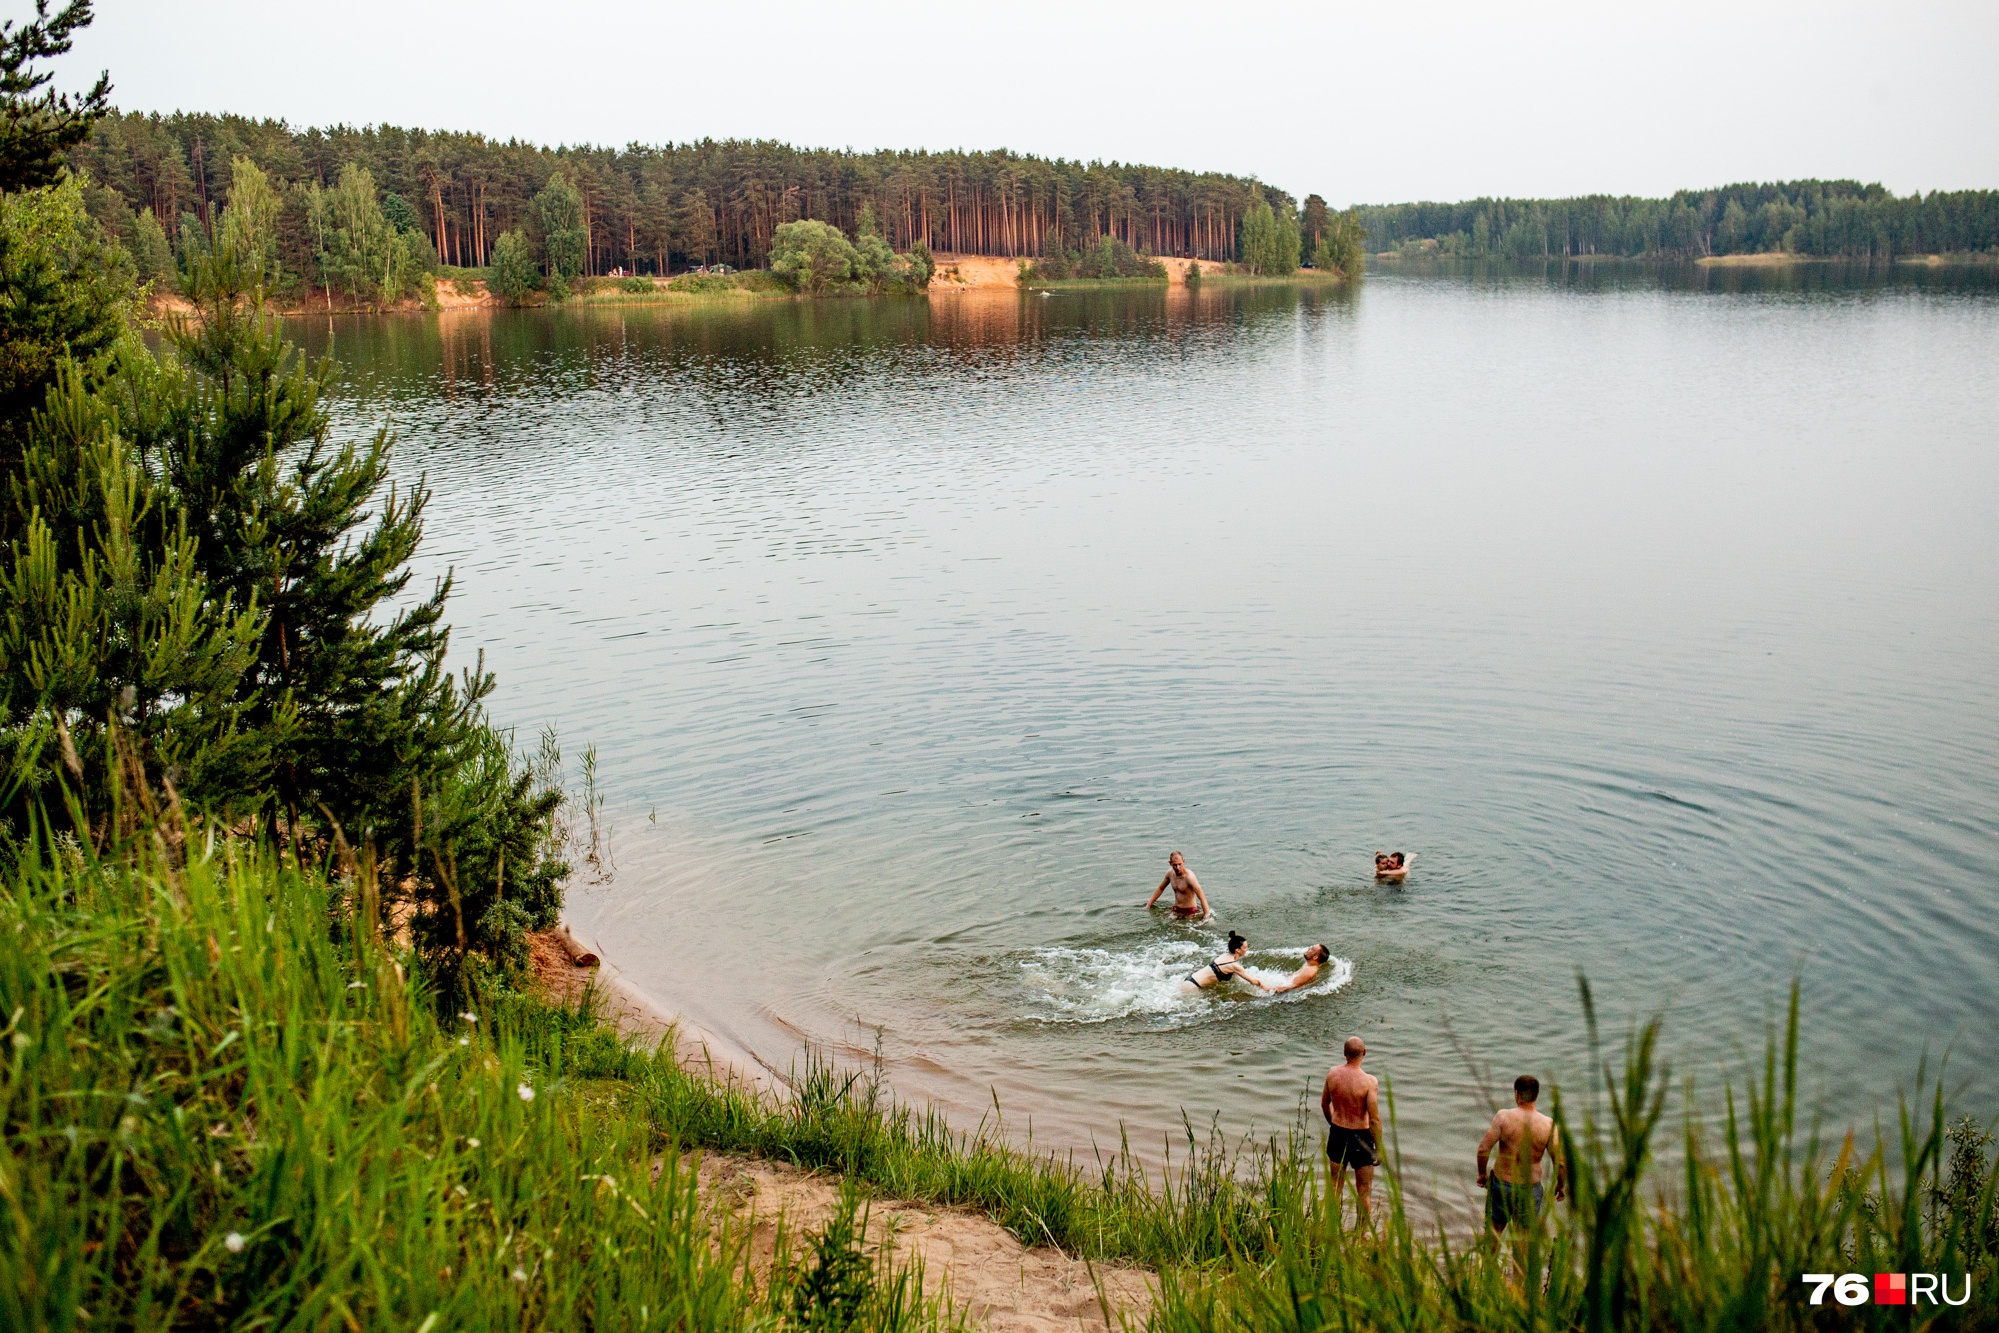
[{"x": 1374, "y": 103}]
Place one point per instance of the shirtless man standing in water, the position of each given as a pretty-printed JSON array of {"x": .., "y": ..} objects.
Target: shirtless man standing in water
[
  {"x": 1353, "y": 1110},
  {"x": 1188, "y": 900},
  {"x": 1524, "y": 1136}
]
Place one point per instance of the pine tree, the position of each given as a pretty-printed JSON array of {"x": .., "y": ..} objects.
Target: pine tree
[
  {"x": 39, "y": 126},
  {"x": 151, "y": 255},
  {"x": 361, "y": 720},
  {"x": 109, "y": 623},
  {"x": 63, "y": 292}
]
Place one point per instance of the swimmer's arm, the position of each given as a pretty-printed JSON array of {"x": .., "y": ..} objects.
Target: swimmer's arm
[
  {"x": 1485, "y": 1149},
  {"x": 1156, "y": 892},
  {"x": 1326, "y": 1100},
  {"x": 1374, "y": 1113}
]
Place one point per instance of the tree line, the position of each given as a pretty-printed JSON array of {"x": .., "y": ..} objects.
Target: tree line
[
  {"x": 1833, "y": 219},
  {"x": 644, "y": 209}
]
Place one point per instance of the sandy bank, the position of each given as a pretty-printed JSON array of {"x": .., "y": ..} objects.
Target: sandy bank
[
  {"x": 963, "y": 273},
  {"x": 463, "y": 294},
  {"x": 1777, "y": 260},
  {"x": 634, "y": 1013}
]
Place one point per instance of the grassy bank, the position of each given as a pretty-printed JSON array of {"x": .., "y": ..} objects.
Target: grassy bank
[
  {"x": 226, "y": 1105},
  {"x": 1236, "y": 276}
]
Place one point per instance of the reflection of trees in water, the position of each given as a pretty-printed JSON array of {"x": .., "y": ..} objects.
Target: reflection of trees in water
[
  {"x": 1616, "y": 275},
  {"x": 776, "y": 350}
]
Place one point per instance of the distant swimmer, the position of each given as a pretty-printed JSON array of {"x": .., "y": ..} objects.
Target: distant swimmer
[
  {"x": 1352, "y": 1108},
  {"x": 1391, "y": 866},
  {"x": 1315, "y": 958},
  {"x": 1188, "y": 900},
  {"x": 1215, "y": 973}
]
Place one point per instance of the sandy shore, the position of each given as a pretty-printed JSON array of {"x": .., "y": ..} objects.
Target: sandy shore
[
  {"x": 636, "y": 1014},
  {"x": 964, "y": 273},
  {"x": 1776, "y": 260},
  {"x": 983, "y": 1268}
]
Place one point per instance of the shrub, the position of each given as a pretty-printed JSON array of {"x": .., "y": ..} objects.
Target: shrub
[
  {"x": 812, "y": 256},
  {"x": 513, "y": 268}
]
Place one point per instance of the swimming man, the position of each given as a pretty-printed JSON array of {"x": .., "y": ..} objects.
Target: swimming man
[
  {"x": 1188, "y": 900},
  {"x": 1524, "y": 1136},
  {"x": 1316, "y": 957},
  {"x": 1353, "y": 1111}
]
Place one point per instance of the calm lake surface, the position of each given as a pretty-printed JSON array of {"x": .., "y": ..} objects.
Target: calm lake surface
[{"x": 1657, "y": 615}]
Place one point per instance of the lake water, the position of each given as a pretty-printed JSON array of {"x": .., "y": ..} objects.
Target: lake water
[{"x": 1656, "y": 614}]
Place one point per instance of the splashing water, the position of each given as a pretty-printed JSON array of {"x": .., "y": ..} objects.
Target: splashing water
[{"x": 1144, "y": 980}]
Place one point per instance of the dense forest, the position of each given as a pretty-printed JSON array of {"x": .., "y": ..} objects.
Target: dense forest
[
  {"x": 1824, "y": 218},
  {"x": 648, "y": 209}
]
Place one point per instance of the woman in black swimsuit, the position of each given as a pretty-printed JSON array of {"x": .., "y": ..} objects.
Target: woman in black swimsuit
[{"x": 1222, "y": 968}]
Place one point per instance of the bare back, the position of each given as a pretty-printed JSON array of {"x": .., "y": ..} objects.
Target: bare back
[
  {"x": 1349, "y": 1098},
  {"x": 1519, "y": 1132}
]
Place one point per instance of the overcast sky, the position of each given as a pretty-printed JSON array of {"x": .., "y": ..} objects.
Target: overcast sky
[{"x": 1373, "y": 103}]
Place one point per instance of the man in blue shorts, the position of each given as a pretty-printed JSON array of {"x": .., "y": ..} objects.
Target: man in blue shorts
[
  {"x": 1523, "y": 1136},
  {"x": 1353, "y": 1113}
]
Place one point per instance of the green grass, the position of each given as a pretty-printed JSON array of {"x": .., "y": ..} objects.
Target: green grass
[
  {"x": 209, "y": 1050},
  {"x": 1242, "y": 278},
  {"x": 222, "y": 1109}
]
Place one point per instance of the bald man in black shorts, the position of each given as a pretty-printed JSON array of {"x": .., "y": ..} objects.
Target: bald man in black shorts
[{"x": 1352, "y": 1107}]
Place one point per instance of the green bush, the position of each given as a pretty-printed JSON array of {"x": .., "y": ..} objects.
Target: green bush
[
  {"x": 812, "y": 256},
  {"x": 514, "y": 272}
]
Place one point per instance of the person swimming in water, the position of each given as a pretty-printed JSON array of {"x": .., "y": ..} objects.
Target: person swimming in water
[
  {"x": 1390, "y": 865},
  {"x": 1316, "y": 957},
  {"x": 1221, "y": 969},
  {"x": 1189, "y": 902}
]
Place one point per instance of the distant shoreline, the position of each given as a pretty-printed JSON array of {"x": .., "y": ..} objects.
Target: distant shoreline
[
  {"x": 1767, "y": 259},
  {"x": 955, "y": 274}
]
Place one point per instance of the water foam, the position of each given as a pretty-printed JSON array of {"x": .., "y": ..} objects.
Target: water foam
[{"x": 1143, "y": 980}]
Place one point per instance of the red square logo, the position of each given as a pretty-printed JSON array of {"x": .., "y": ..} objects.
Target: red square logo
[{"x": 1891, "y": 1288}]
